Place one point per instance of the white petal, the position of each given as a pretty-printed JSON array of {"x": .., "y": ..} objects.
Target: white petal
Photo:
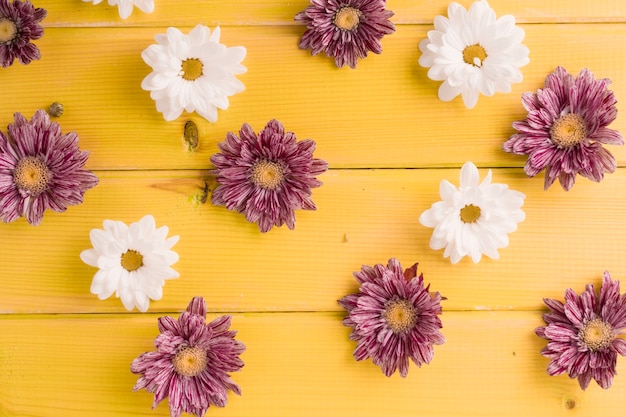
[
  {"x": 215, "y": 37},
  {"x": 469, "y": 175},
  {"x": 447, "y": 190},
  {"x": 125, "y": 8},
  {"x": 146, "y": 6},
  {"x": 90, "y": 257},
  {"x": 447, "y": 92},
  {"x": 470, "y": 97},
  {"x": 128, "y": 299}
]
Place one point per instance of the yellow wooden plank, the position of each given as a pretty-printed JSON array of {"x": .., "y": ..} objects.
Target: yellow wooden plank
[
  {"x": 259, "y": 12},
  {"x": 295, "y": 364},
  {"x": 363, "y": 217},
  {"x": 384, "y": 114}
]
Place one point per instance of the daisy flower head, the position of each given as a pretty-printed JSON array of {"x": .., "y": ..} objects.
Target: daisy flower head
[
  {"x": 125, "y": 7},
  {"x": 133, "y": 261},
  {"x": 192, "y": 362},
  {"x": 393, "y": 317},
  {"x": 192, "y": 72},
  {"x": 40, "y": 168},
  {"x": 266, "y": 176},
  {"x": 345, "y": 30},
  {"x": 474, "y": 53},
  {"x": 19, "y": 24},
  {"x": 566, "y": 127},
  {"x": 584, "y": 333},
  {"x": 475, "y": 218}
]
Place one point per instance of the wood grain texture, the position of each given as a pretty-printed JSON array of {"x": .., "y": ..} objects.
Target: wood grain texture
[
  {"x": 389, "y": 142},
  {"x": 363, "y": 217},
  {"x": 296, "y": 364},
  {"x": 351, "y": 114},
  {"x": 281, "y": 12}
]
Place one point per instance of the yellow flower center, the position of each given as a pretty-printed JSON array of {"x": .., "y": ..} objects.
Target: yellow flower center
[
  {"x": 8, "y": 30},
  {"x": 568, "y": 130},
  {"x": 597, "y": 335},
  {"x": 191, "y": 69},
  {"x": 474, "y": 55},
  {"x": 190, "y": 361},
  {"x": 400, "y": 315},
  {"x": 131, "y": 260},
  {"x": 470, "y": 213},
  {"x": 267, "y": 174},
  {"x": 31, "y": 175},
  {"x": 347, "y": 18}
]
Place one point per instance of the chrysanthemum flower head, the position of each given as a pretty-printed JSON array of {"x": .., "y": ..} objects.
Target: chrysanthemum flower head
[
  {"x": 193, "y": 72},
  {"x": 192, "y": 362},
  {"x": 475, "y": 218},
  {"x": 125, "y": 7},
  {"x": 19, "y": 24},
  {"x": 566, "y": 127},
  {"x": 584, "y": 333},
  {"x": 133, "y": 261},
  {"x": 393, "y": 317},
  {"x": 40, "y": 168},
  {"x": 345, "y": 30},
  {"x": 474, "y": 53},
  {"x": 266, "y": 176}
]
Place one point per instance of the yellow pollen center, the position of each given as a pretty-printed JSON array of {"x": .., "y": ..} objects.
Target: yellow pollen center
[
  {"x": 470, "y": 213},
  {"x": 8, "y": 30},
  {"x": 400, "y": 315},
  {"x": 267, "y": 174},
  {"x": 31, "y": 175},
  {"x": 131, "y": 260},
  {"x": 597, "y": 335},
  {"x": 190, "y": 361},
  {"x": 568, "y": 130},
  {"x": 347, "y": 18},
  {"x": 191, "y": 69},
  {"x": 474, "y": 55}
]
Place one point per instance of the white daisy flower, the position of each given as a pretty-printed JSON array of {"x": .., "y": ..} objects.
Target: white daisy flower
[
  {"x": 134, "y": 261},
  {"x": 475, "y": 218},
  {"x": 125, "y": 7},
  {"x": 193, "y": 72},
  {"x": 472, "y": 52}
]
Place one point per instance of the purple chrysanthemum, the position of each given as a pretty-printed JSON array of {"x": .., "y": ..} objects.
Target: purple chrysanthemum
[
  {"x": 19, "y": 24},
  {"x": 393, "y": 317},
  {"x": 268, "y": 176},
  {"x": 192, "y": 362},
  {"x": 40, "y": 168},
  {"x": 345, "y": 29},
  {"x": 583, "y": 333},
  {"x": 566, "y": 127}
]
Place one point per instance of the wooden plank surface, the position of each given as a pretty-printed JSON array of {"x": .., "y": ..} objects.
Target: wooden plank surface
[
  {"x": 389, "y": 142},
  {"x": 296, "y": 364},
  {"x": 281, "y": 12},
  {"x": 567, "y": 240},
  {"x": 351, "y": 114}
]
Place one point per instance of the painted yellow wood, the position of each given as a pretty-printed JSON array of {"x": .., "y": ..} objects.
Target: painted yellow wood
[
  {"x": 65, "y": 353},
  {"x": 352, "y": 114},
  {"x": 281, "y": 12},
  {"x": 296, "y": 364},
  {"x": 363, "y": 217}
]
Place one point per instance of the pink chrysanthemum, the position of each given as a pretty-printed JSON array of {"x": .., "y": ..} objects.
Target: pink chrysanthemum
[
  {"x": 40, "y": 168},
  {"x": 393, "y": 317},
  {"x": 192, "y": 362},
  {"x": 19, "y": 24},
  {"x": 566, "y": 127},
  {"x": 583, "y": 333},
  {"x": 345, "y": 29},
  {"x": 268, "y": 176}
]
